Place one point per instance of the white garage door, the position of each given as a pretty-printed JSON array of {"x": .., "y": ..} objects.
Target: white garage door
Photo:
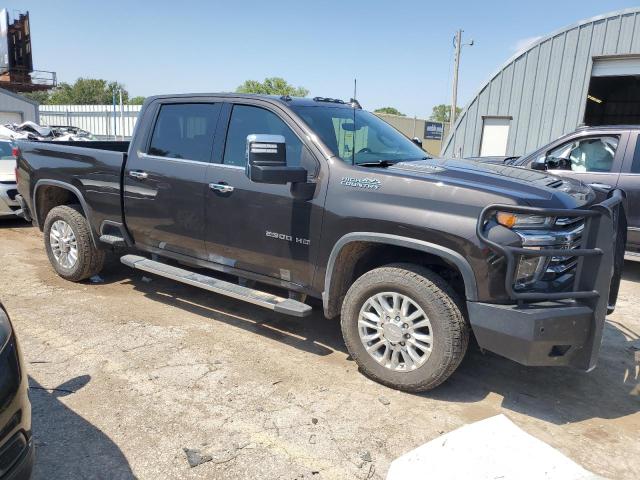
[
  {"x": 495, "y": 133},
  {"x": 10, "y": 117},
  {"x": 614, "y": 67}
]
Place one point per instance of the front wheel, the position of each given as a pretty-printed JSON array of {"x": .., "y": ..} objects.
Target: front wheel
[
  {"x": 403, "y": 327},
  {"x": 67, "y": 239}
]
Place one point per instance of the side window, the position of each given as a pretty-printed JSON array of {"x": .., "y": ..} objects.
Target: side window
[
  {"x": 635, "y": 166},
  {"x": 246, "y": 120},
  {"x": 594, "y": 154},
  {"x": 185, "y": 131}
]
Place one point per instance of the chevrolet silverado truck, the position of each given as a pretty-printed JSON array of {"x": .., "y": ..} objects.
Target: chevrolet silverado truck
[{"x": 271, "y": 200}]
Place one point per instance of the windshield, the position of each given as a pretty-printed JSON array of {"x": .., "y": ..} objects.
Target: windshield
[
  {"x": 369, "y": 139},
  {"x": 5, "y": 151}
]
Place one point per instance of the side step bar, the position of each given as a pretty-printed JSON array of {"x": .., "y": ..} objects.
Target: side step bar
[{"x": 286, "y": 306}]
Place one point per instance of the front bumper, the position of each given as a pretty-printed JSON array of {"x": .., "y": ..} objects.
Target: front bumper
[
  {"x": 8, "y": 203},
  {"x": 557, "y": 328}
]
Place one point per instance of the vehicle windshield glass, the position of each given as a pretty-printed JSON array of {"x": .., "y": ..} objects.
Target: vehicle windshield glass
[
  {"x": 5, "y": 151},
  {"x": 357, "y": 136}
]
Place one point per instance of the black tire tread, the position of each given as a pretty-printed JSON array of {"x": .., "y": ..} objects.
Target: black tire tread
[
  {"x": 442, "y": 297},
  {"x": 91, "y": 259}
]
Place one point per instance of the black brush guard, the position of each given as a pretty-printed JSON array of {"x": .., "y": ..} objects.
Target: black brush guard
[{"x": 565, "y": 327}]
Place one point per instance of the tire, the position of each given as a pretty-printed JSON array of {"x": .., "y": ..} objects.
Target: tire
[
  {"x": 440, "y": 305},
  {"x": 89, "y": 260}
]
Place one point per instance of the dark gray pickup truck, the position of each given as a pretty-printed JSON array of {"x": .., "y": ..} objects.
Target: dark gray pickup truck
[{"x": 316, "y": 197}]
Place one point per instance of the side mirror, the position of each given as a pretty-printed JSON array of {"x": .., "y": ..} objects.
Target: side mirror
[
  {"x": 539, "y": 163},
  {"x": 267, "y": 161},
  {"x": 417, "y": 141}
]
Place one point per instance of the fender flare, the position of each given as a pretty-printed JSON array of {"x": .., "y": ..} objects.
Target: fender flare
[
  {"x": 67, "y": 186},
  {"x": 451, "y": 256}
]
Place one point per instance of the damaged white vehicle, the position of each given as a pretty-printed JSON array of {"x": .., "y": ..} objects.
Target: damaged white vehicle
[{"x": 8, "y": 188}]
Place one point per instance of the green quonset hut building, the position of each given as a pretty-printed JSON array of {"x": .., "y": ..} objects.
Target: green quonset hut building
[{"x": 587, "y": 73}]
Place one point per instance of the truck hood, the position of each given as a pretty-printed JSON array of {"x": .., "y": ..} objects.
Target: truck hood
[
  {"x": 516, "y": 182},
  {"x": 7, "y": 170}
]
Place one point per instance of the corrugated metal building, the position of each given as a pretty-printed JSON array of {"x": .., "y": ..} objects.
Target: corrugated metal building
[
  {"x": 585, "y": 73},
  {"x": 15, "y": 108}
]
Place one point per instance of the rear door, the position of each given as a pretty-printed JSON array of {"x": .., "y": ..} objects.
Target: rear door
[
  {"x": 258, "y": 227},
  {"x": 630, "y": 182},
  {"x": 164, "y": 178}
]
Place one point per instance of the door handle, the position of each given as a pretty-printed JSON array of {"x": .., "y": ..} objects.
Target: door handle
[
  {"x": 600, "y": 186},
  {"x": 221, "y": 187},
  {"x": 138, "y": 174}
]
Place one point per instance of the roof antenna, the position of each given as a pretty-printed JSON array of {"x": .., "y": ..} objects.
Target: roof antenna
[{"x": 354, "y": 103}]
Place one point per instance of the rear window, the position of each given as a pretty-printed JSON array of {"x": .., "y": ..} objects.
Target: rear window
[
  {"x": 185, "y": 131},
  {"x": 6, "y": 151}
]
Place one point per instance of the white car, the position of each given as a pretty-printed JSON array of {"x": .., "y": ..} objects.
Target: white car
[{"x": 8, "y": 187}]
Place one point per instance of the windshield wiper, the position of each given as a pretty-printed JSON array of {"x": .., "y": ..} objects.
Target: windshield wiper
[
  {"x": 388, "y": 163},
  {"x": 377, "y": 163}
]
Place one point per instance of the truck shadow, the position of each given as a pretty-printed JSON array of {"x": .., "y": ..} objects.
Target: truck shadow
[
  {"x": 67, "y": 445},
  {"x": 554, "y": 394},
  {"x": 314, "y": 334},
  {"x": 631, "y": 271},
  {"x": 14, "y": 223}
]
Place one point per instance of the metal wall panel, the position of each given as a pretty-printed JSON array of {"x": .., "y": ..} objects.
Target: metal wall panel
[
  {"x": 102, "y": 120},
  {"x": 544, "y": 88}
]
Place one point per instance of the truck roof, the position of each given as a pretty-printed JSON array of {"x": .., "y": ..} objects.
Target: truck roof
[
  {"x": 583, "y": 128},
  {"x": 283, "y": 99}
]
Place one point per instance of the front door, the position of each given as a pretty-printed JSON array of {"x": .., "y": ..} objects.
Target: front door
[
  {"x": 165, "y": 183},
  {"x": 594, "y": 160},
  {"x": 257, "y": 227},
  {"x": 630, "y": 183}
]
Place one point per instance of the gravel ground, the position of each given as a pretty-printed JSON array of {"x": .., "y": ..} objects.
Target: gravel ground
[{"x": 128, "y": 373}]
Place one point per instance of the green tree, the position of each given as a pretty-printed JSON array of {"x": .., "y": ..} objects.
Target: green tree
[
  {"x": 41, "y": 97},
  {"x": 442, "y": 113},
  {"x": 139, "y": 100},
  {"x": 87, "y": 91},
  {"x": 389, "y": 111},
  {"x": 272, "y": 86}
]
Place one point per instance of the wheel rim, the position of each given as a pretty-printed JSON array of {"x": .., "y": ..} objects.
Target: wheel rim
[
  {"x": 63, "y": 244},
  {"x": 395, "y": 331}
]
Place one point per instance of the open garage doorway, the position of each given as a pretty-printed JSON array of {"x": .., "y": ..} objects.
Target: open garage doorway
[{"x": 614, "y": 92}]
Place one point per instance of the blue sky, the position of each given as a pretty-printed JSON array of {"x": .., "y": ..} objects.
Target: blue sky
[{"x": 400, "y": 51}]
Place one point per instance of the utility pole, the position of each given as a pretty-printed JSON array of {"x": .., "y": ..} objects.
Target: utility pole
[
  {"x": 456, "y": 66},
  {"x": 457, "y": 43}
]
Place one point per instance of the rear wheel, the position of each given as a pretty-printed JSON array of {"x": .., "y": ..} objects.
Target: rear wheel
[
  {"x": 67, "y": 239},
  {"x": 403, "y": 326}
]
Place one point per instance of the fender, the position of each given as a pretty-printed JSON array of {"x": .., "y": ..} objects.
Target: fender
[
  {"x": 67, "y": 186},
  {"x": 451, "y": 256}
]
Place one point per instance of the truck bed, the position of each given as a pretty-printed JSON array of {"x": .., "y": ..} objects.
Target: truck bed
[{"x": 92, "y": 169}]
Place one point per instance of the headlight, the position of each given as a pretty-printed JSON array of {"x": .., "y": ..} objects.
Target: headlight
[
  {"x": 518, "y": 220},
  {"x": 530, "y": 270}
]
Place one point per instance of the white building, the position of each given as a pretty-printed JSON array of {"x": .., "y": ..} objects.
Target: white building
[{"x": 15, "y": 108}]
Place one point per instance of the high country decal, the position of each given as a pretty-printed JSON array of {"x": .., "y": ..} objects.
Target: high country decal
[{"x": 366, "y": 183}]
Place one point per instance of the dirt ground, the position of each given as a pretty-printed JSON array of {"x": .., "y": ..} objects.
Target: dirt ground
[{"x": 126, "y": 374}]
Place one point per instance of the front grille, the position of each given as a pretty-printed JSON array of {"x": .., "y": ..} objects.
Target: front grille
[{"x": 559, "y": 266}]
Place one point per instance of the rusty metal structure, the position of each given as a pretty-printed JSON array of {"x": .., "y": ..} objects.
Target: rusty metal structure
[{"x": 16, "y": 59}]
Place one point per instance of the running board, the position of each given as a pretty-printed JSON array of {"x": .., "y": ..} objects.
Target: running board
[{"x": 256, "y": 297}]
